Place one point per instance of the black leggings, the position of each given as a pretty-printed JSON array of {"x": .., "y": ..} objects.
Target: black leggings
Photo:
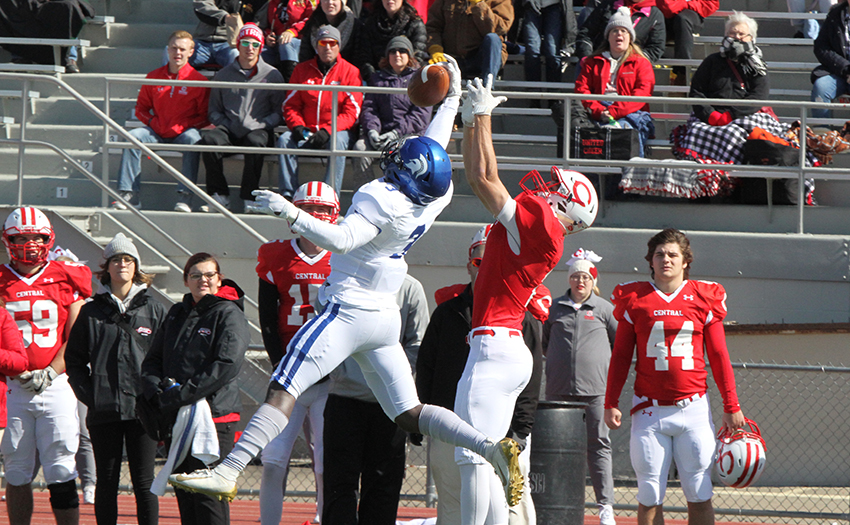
[
  {"x": 200, "y": 509},
  {"x": 108, "y": 441}
]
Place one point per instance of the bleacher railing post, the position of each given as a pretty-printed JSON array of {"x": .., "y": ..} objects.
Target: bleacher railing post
[
  {"x": 25, "y": 92},
  {"x": 104, "y": 157},
  {"x": 801, "y": 176}
]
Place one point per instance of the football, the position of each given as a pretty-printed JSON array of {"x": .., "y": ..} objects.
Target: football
[{"x": 428, "y": 85}]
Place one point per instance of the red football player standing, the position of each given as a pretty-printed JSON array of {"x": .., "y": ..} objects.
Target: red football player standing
[
  {"x": 44, "y": 297},
  {"x": 291, "y": 273},
  {"x": 674, "y": 323}
]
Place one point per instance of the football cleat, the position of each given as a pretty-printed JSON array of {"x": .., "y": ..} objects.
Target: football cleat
[
  {"x": 504, "y": 456},
  {"x": 205, "y": 481}
]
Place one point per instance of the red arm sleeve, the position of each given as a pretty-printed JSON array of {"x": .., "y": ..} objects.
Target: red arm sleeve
[
  {"x": 584, "y": 84},
  {"x": 644, "y": 83},
  {"x": 621, "y": 362},
  {"x": 704, "y": 8},
  {"x": 297, "y": 26},
  {"x": 13, "y": 355},
  {"x": 144, "y": 105},
  {"x": 721, "y": 366},
  {"x": 350, "y": 104}
]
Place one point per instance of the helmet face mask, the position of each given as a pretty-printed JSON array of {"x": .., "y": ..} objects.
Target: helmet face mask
[
  {"x": 570, "y": 195},
  {"x": 741, "y": 457},
  {"x": 315, "y": 194},
  {"x": 419, "y": 167},
  {"x": 31, "y": 222}
]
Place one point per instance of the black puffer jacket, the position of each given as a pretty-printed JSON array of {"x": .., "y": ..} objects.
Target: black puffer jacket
[
  {"x": 104, "y": 362},
  {"x": 379, "y": 29},
  {"x": 715, "y": 79},
  {"x": 831, "y": 45},
  {"x": 201, "y": 346}
]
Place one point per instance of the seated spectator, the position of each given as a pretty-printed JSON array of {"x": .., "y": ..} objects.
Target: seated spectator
[
  {"x": 547, "y": 24},
  {"x": 334, "y": 13},
  {"x": 282, "y": 26},
  {"x": 242, "y": 117},
  {"x": 472, "y": 31},
  {"x": 391, "y": 18},
  {"x": 647, "y": 22},
  {"x": 308, "y": 113},
  {"x": 809, "y": 28},
  {"x": 832, "y": 77},
  {"x": 388, "y": 116},
  {"x": 683, "y": 19},
  {"x": 738, "y": 71},
  {"x": 53, "y": 19},
  {"x": 211, "y": 45},
  {"x": 619, "y": 67},
  {"x": 169, "y": 114}
]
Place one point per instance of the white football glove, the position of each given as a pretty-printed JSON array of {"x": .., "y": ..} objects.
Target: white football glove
[
  {"x": 483, "y": 102},
  {"x": 385, "y": 138},
  {"x": 374, "y": 139},
  {"x": 454, "y": 75},
  {"x": 37, "y": 381},
  {"x": 271, "y": 203}
]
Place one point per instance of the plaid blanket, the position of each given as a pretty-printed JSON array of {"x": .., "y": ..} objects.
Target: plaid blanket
[{"x": 693, "y": 183}]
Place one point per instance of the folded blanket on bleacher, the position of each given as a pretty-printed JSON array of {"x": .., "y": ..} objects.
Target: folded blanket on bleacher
[{"x": 689, "y": 183}]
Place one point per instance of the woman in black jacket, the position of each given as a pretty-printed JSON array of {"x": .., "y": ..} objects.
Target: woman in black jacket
[
  {"x": 103, "y": 358},
  {"x": 197, "y": 355},
  {"x": 830, "y": 78},
  {"x": 391, "y": 18}
]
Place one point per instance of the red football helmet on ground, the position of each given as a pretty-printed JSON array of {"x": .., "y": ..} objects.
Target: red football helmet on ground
[
  {"x": 28, "y": 220},
  {"x": 570, "y": 195},
  {"x": 320, "y": 194},
  {"x": 740, "y": 458}
]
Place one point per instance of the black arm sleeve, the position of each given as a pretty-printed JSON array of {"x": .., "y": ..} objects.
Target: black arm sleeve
[{"x": 268, "y": 302}]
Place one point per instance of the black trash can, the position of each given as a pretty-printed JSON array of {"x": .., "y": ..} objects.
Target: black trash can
[{"x": 558, "y": 463}]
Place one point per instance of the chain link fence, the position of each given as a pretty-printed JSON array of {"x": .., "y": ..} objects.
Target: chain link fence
[{"x": 799, "y": 408}]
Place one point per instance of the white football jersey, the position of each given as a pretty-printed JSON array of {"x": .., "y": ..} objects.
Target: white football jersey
[{"x": 371, "y": 275}]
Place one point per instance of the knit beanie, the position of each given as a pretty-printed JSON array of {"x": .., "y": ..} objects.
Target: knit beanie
[
  {"x": 399, "y": 42},
  {"x": 583, "y": 261},
  {"x": 251, "y": 31},
  {"x": 121, "y": 245},
  {"x": 621, "y": 18},
  {"x": 326, "y": 32}
]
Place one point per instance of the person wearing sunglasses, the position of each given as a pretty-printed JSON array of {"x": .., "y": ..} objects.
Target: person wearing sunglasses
[
  {"x": 194, "y": 359},
  {"x": 308, "y": 114},
  {"x": 439, "y": 367},
  {"x": 242, "y": 117},
  {"x": 577, "y": 339}
]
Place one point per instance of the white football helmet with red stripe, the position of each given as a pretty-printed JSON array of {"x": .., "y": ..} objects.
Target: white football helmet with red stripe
[
  {"x": 28, "y": 220},
  {"x": 741, "y": 456},
  {"x": 570, "y": 194},
  {"x": 318, "y": 193}
]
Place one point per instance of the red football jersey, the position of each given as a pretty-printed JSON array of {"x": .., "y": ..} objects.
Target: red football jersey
[
  {"x": 297, "y": 277},
  {"x": 673, "y": 334},
  {"x": 506, "y": 281},
  {"x": 39, "y": 305}
]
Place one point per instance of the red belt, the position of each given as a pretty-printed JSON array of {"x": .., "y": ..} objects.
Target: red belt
[
  {"x": 492, "y": 333},
  {"x": 681, "y": 403}
]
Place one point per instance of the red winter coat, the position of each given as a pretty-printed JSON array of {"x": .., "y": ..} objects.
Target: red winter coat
[
  {"x": 13, "y": 356},
  {"x": 312, "y": 109},
  {"x": 295, "y": 15},
  {"x": 704, "y": 8},
  {"x": 634, "y": 78},
  {"x": 171, "y": 110}
]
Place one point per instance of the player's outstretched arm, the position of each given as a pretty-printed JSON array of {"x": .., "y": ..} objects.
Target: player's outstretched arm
[
  {"x": 479, "y": 157},
  {"x": 440, "y": 128}
]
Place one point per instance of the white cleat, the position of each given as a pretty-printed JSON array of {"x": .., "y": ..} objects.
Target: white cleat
[
  {"x": 606, "y": 515},
  {"x": 205, "y": 481},
  {"x": 504, "y": 456}
]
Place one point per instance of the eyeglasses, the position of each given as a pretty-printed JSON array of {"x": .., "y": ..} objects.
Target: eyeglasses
[
  {"x": 328, "y": 42},
  {"x": 740, "y": 35},
  {"x": 126, "y": 259},
  {"x": 248, "y": 43},
  {"x": 399, "y": 51},
  {"x": 476, "y": 261},
  {"x": 580, "y": 277},
  {"x": 209, "y": 276}
]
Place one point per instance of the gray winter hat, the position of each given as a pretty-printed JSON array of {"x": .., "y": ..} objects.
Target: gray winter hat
[
  {"x": 325, "y": 32},
  {"x": 121, "y": 245},
  {"x": 622, "y": 17},
  {"x": 399, "y": 42}
]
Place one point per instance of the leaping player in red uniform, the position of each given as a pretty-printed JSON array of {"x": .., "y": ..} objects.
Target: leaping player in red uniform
[
  {"x": 44, "y": 297},
  {"x": 523, "y": 247},
  {"x": 674, "y": 323}
]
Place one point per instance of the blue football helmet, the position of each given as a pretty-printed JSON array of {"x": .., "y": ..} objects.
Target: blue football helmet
[{"x": 419, "y": 167}]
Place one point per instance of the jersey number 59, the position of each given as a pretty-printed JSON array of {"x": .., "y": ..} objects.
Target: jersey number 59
[{"x": 45, "y": 316}]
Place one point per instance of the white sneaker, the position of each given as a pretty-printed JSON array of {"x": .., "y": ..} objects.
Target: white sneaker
[
  {"x": 184, "y": 202},
  {"x": 128, "y": 196},
  {"x": 182, "y": 207},
  {"x": 88, "y": 494},
  {"x": 504, "y": 456},
  {"x": 224, "y": 200},
  {"x": 606, "y": 515},
  {"x": 205, "y": 481}
]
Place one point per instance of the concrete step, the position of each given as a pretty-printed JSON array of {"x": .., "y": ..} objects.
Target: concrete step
[
  {"x": 41, "y": 161},
  {"x": 111, "y": 59},
  {"x": 153, "y": 11},
  {"x": 66, "y": 136},
  {"x": 143, "y": 35},
  {"x": 65, "y": 110}
]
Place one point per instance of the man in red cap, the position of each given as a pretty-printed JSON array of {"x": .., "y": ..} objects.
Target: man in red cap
[{"x": 242, "y": 117}]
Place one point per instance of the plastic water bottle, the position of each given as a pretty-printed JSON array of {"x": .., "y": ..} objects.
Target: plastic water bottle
[{"x": 612, "y": 123}]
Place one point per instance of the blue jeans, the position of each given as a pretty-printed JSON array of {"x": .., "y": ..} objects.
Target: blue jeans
[
  {"x": 825, "y": 89},
  {"x": 212, "y": 53},
  {"x": 131, "y": 159},
  {"x": 543, "y": 34},
  {"x": 486, "y": 60},
  {"x": 282, "y": 53},
  {"x": 288, "y": 176}
]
